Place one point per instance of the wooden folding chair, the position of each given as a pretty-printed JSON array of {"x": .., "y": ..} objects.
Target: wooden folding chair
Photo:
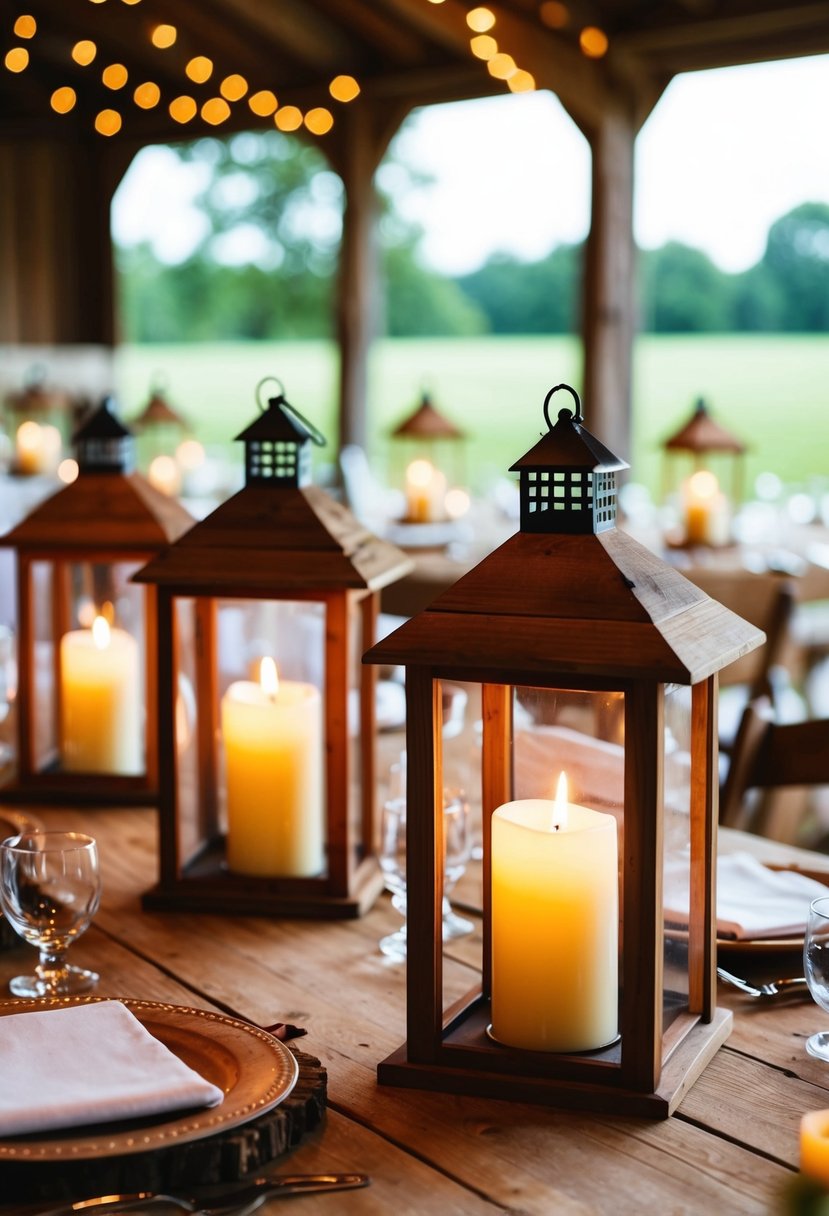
[{"x": 772, "y": 756}]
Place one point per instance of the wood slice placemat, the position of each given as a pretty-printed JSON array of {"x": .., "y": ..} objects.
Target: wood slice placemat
[{"x": 222, "y": 1157}]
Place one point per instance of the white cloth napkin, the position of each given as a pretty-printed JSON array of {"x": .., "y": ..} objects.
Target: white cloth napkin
[
  {"x": 752, "y": 900},
  {"x": 89, "y": 1064}
]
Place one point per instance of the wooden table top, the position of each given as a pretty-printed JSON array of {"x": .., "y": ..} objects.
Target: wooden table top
[{"x": 732, "y": 1147}]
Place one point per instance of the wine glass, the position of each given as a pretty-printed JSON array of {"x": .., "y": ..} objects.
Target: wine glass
[
  {"x": 50, "y": 888},
  {"x": 816, "y": 969},
  {"x": 457, "y": 851}
]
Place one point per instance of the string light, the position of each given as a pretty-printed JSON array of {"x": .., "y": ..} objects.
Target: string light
[
  {"x": 84, "y": 52},
  {"x": 17, "y": 59},
  {"x": 147, "y": 95},
  {"x": 199, "y": 69},
  {"x": 480, "y": 20},
  {"x": 163, "y": 36},
  {"x": 115, "y": 76},
  {"x": 288, "y": 118},
  {"x": 263, "y": 103},
  {"x": 233, "y": 87},
  {"x": 182, "y": 109},
  {"x": 25, "y": 26},
  {"x": 502, "y": 66},
  {"x": 593, "y": 42},
  {"x": 521, "y": 82},
  {"x": 63, "y": 100},
  {"x": 319, "y": 120},
  {"x": 108, "y": 122},
  {"x": 483, "y": 46},
  {"x": 554, "y": 14},
  {"x": 215, "y": 111},
  {"x": 344, "y": 88}
]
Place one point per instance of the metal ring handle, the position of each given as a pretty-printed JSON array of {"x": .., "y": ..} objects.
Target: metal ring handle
[
  {"x": 579, "y": 417},
  {"x": 268, "y": 380},
  {"x": 314, "y": 435}
]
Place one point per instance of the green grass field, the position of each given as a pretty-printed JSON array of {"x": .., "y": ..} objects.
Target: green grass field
[{"x": 771, "y": 390}]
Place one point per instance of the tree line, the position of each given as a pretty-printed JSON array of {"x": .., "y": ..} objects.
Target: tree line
[{"x": 282, "y": 193}]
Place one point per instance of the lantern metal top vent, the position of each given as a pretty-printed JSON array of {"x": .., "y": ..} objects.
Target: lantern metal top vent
[
  {"x": 267, "y": 789},
  {"x": 86, "y": 701},
  {"x": 593, "y": 657}
]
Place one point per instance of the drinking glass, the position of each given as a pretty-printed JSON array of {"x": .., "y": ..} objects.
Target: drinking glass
[
  {"x": 816, "y": 969},
  {"x": 50, "y": 888}
]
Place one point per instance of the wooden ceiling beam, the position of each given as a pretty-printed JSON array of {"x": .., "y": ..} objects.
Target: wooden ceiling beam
[
  {"x": 292, "y": 26},
  {"x": 369, "y": 23}
]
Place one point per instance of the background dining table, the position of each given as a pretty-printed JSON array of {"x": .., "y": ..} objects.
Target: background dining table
[{"x": 732, "y": 1146}]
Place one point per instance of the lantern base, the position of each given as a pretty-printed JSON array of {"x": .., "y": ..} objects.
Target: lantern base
[
  {"x": 682, "y": 1068},
  {"x": 206, "y": 889}
]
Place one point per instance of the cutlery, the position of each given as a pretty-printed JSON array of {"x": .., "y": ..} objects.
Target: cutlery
[
  {"x": 239, "y": 1197},
  {"x": 793, "y": 984}
]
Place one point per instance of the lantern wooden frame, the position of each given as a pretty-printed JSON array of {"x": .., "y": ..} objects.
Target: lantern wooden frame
[
  {"x": 570, "y": 605},
  {"x": 109, "y": 515},
  {"x": 277, "y": 539},
  {"x": 428, "y": 434},
  {"x": 699, "y": 437}
]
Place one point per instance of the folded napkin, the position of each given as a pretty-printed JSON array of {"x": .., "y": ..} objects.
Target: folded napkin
[
  {"x": 752, "y": 900},
  {"x": 89, "y": 1064}
]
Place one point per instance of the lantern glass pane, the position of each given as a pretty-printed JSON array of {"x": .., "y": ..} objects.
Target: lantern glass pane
[
  {"x": 102, "y": 665},
  {"x": 677, "y": 853},
  {"x": 196, "y": 825},
  {"x": 44, "y": 675},
  {"x": 359, "y": 685},
  {"x": 270, "y": 711}
]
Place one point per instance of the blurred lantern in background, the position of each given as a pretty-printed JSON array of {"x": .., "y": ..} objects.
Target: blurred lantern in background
[
  {"x": 711, "y": 456},
  {"x": 429, "y": 464}
]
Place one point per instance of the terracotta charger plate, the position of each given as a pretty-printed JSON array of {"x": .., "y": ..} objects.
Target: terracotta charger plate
[{"x": 255, "y": 1070}]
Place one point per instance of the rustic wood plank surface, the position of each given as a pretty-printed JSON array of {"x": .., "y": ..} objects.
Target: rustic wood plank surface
[{"x": 731, "y": 1148}]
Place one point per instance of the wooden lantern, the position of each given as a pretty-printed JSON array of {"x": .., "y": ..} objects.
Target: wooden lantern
[
  {"x": 267, "y": 797},
  {"x": 711, "y": 454},
  {"x": 86, "y": 701},
  {"x": 596, "y": 658},
  {"x": 429, "y": 448}
]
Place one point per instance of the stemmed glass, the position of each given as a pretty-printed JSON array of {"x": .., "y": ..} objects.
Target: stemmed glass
[
  {"x": 50, "y": 888},
  {"x": 816, "y": 969}
]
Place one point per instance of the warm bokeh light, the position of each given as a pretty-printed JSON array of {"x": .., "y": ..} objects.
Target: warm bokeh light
[
  {"x": 703, "y": 484},
  {"x": 108, "y": 122},
  {"x": 147, "y": 95},
  {"x": 182, "y": 109},
  {"x": 199, "y": 69},
  {"x": 457, "y": 502},
  {"x": 164, "y": 475},
  {"x": 593, "y": 42},
  {"x": 502, "y": 66},
  {"x": 130, "y": 1},
  {"x": 190, "y": 455},
  {"x": 17, "y": 59},
  {"x": 115, "y": 76},
  {"x": 25, "y": 26},
  {"x": 289, "y": 118},
  {"x": 84, "y": 52},
  {"x": 480, "y": 20},
  {"x": 63, "y": 100},
  {"x": 521, "y": 82},
  {"x": 163, "y": 36},
  {"x": 215, "y": 110},
  {"x": 233, "y": 87},
  {"x": 344, "y": 88},
  {"x": 263, "y": 103},
  {"x": 68, "y": 470},
  {"x": 436, "y": 1},
  {"x": 483, "y": 46},
  {"x": 319, "y": 120},
  {"x": 554, "y": 14}
]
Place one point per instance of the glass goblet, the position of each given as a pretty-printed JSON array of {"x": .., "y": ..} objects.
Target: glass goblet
[
  {"x": 393, "y": 865},
  {"x": 816, "y": 969},
  {"x": 50, "y": 888},
  {"x": 458, "y": 850}
]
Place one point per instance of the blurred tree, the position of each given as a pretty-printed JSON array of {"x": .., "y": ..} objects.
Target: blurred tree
[
  {"x": 797, "y": 264},
  {"x": 529, "y": 297},
  {"x": 682, "y": 291}
]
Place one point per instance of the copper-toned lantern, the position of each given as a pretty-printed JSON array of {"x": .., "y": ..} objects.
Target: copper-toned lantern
[
  {"x": 712, "y": 455},
  {"x": 86, "y": 698},
  {"x": 429, "y": 450},
  {"x": 597, "y": 660},
  {"x": 266, "y": 721}
]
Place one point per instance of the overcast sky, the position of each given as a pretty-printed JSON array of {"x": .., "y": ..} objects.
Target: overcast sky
[{"x": 722, "y": 156}]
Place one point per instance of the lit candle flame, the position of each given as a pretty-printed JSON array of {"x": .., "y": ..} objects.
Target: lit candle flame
[
  {"x": 420, "y": 473},
  {"x": 269, "y": 678},
  {"x": 100, "y": 632},
  {"x": 703, "y": 484},
  {"x": 559, "y": 816}
]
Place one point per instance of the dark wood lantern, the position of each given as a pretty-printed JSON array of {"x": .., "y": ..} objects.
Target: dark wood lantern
[
  {"x": 697, "y": 458},
  {"x": 266, "y": 721},
  {"x": 428, "y": 462},
  {"x": 595, "y": 658},
  {"x": 86, "y": 701}
]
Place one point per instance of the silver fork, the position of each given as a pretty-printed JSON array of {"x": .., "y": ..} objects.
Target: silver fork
[{"x": 790, "y": 985}]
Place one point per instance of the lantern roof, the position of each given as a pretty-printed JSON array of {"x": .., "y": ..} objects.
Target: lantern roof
[
  {"x": 281, "y": 421},
  {"x": 119, "y": 511},
  {"x": 299, "y": 539},
  {"x": 568, "y": 445},
  {"x": 701, "y": 433},
  {"x": 158, "y": 412},
  {"x": 427, "y": 422}
]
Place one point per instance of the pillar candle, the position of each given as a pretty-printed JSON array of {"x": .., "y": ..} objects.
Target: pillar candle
[
  {"x": 273, "y": 755},
  {"x": 425, "y": 493},
  {"x": 814, "y": 1145},
  {"x": 555, "y": 926},
  {"x": 100, "y": 719},
  {"x": 707, "y": 517}
]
